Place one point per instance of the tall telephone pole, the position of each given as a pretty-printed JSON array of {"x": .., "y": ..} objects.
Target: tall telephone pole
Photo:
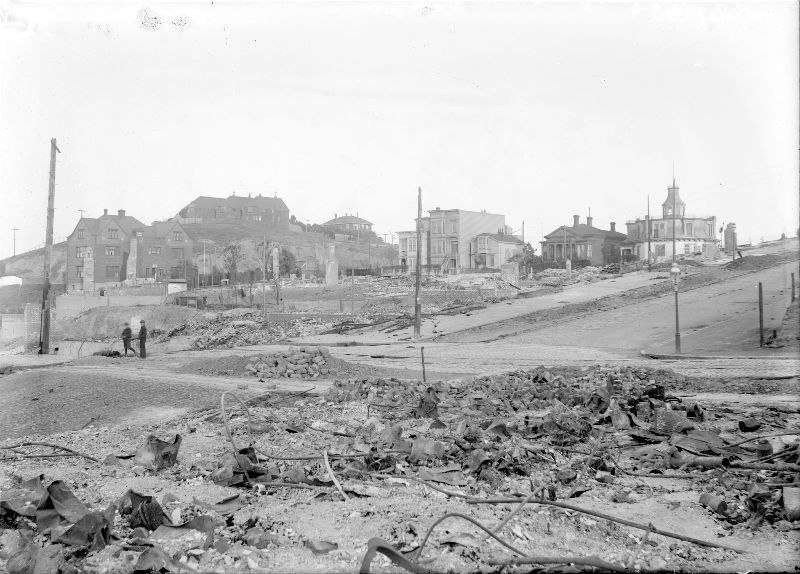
[
  {"x": 649, "y": 257},
  {"x": 417, "y": 304},
  {"x": 44, "y": 334},
  {"x": 14, "y": 240}
]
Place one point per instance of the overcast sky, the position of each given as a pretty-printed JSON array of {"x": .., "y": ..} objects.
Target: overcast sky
[{"x": 537, "y": 111}]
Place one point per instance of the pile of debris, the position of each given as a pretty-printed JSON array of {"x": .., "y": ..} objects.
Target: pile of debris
[
  {"x": 240, "y": 327},
  {"x": 383, "y": 457},
  {"x": 302, "y": 363}
]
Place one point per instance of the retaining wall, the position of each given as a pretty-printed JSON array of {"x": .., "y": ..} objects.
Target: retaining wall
[{"x": 72, "y": 305}]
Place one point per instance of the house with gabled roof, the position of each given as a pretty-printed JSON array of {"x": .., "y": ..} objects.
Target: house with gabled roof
[
  {"x": 111, "y": 249},
  {"x": 271, "y": 211},
  {"x": 582, "y": 241}
]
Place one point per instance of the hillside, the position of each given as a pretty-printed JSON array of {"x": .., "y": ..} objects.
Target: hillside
[
  {"x": 301, "y": 244},
  {"x": 29, "y": 265}
]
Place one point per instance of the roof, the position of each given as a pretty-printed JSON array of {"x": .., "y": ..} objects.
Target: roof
[
  {"x": 582, "y": 230},
  {"x": 347, "y": 219},
  {"x": 126, "y": 223},
  {"x": 206, "y": 202},
  {"x": 503, "y": 238}
]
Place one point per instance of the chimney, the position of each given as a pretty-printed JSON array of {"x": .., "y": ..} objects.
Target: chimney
[
  {"x": 589, "y": 221},
  {"x": 613, "y": 226},
  {"x": 576, "y": 220},
  {"x": 120, "y": 213},
  {"x": 336, "y": 216},
  {"x": 105, "y": 212}
]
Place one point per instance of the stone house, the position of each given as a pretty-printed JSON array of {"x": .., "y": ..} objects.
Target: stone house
[{"x": 111, "y": 249}]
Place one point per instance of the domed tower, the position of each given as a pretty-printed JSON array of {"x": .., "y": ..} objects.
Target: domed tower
[{"x": 673, "y": 201}]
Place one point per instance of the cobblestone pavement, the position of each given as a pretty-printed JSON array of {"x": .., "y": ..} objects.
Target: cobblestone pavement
[{"x": 499, "y": 356}]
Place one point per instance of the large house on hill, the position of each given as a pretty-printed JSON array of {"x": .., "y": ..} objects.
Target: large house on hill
[
  {"x": 235, "y": 209},
  {"x": 110, "y": 249},
  {"x": 582, "y": 241}
]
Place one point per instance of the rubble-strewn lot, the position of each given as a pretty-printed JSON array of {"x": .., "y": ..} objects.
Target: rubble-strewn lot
[{"x": 597, "y": 465}]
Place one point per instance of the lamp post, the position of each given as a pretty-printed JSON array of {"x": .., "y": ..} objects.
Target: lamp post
[
  {"x": 676, "y": 273},
  {"x": 676, "y": 277}
]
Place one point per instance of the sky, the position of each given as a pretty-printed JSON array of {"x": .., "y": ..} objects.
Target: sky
[{"x": 537, "y": 111}]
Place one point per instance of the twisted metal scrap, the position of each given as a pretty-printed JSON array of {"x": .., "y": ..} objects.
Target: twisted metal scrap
[{"x": 375, "y": 545}]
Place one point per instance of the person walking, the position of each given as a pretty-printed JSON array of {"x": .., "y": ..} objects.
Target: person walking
[
  {"x": 142, "y": 339},
  {"x": 126, "y": 339}
]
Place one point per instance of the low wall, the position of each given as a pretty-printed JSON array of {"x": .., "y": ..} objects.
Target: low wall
[
  {"x": 72, "y": 305},
  {"x": 12, "y": 326}
]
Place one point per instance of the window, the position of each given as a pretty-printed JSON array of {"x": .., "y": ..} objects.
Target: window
[
  {"x": 138, "y": 234},
  {"x": 176, "y": 272},
  {"x": 655, "y": 232},
  {"x": 490, "y": 260},
  {"x": 80, "y": 252},
  {"x": 150, "y": 272},
  {"x": 482, "y": 242},
  {"x": 177, "y": 252},
  {"x": 79, "y": 272},
  {"x": 454, "y": 247},
  {"x": 403, "y": 245},
  {"x": 112, "y": 272},
  {"x": 437, "y": 226},
  {"x": 451, "y": 227},
  {"x": 250, "y": 209},
  {"x": 113, "y": 233},
  {"x": 81, "y": 234},
  {"x": 687, "y": 249},
  {"x": 256, "y": 218},
  {"x": 589, "y": 251},
  {"x": 154, "y": 251},
  {"x": 111, "y": 251},
  {"x": 689, "y": 229},
  {"x": 412, "y": 245},
  {"x": 438, "y": 246},
  {"x": 177, "y": 236}
]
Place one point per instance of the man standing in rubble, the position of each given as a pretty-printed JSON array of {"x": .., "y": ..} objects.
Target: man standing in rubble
[
  {"x": 126, "y": 339},
  {"x": 142, "y": 339}
]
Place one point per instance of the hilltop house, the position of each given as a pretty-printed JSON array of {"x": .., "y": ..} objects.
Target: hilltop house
[
  {"x": 234, "y": 209},
  {"x": 348, "y": 225},
  {"x": 582, "y": 241},
  {"x": 111, "y": 249}
]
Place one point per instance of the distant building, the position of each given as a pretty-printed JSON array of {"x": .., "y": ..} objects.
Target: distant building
[
  {"x": 446, "y": 242},
  {"x": 234, "y": 209},
  {"x": 108, "y": 250},
  {"x": 582, "y": 241},
  {"x": 494, "y": 249},
  {"x": 694, "y": 235},
  {"x": 348, "y": 225}
]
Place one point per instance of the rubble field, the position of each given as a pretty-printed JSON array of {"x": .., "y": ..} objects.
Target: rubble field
[{"x": 572, "y": 469}]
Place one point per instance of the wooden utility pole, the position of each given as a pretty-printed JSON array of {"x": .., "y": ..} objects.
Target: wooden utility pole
[
  {"x": 417, "y": 304},
  {"x": 14, "y": 240},
  {"x": 523, "y": 231},
  {"x": 760, "y": 315},
  {"x": 44, "y": 333},
  {"x": 649, "y": 256}
]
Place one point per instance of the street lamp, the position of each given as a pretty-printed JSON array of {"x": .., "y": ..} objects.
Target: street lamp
[{"x": 676, "y": 278}]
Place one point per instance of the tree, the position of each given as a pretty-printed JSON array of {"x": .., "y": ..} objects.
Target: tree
[
  {"x": 287, "y": 262},
  {"x": 231, "y": 256},
  {"x": 527, "y": 258}
]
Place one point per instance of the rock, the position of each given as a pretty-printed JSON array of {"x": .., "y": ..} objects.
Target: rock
[
  {"x": 566, "y": 475},
  {"x": 427, "y": 449},
  {"x": 258, "y": 538}
]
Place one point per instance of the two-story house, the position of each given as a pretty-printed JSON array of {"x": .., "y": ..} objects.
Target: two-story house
[
  {"x": 653, "y": 237},
  {"x": 494, "y": 249}
]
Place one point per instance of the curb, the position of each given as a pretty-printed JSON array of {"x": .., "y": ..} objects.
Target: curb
[{"x": 714, "y": 357}]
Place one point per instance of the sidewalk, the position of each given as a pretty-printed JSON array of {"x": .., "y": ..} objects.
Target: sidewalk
[{"x": 32, "y": 361}]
